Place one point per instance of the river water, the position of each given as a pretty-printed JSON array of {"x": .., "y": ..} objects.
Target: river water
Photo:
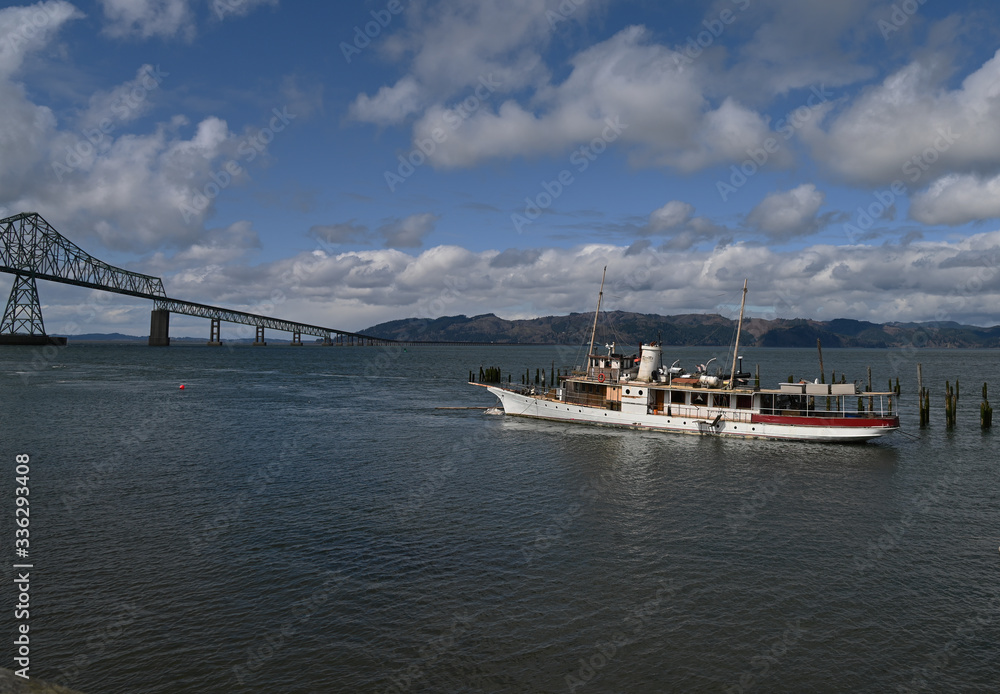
[{"x": 308, "y": 520}]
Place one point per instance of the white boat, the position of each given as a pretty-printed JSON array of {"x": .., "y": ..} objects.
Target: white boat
[{"x": 615, "y": 391}]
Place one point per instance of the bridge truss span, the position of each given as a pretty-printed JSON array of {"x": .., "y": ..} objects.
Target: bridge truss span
[
  {"x": 31, "y": 249},
  {"x": 29, "y": 246},
  {"x": 216, "y": 313}
]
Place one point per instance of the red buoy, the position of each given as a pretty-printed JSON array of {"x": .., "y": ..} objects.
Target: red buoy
[{"x": 182, "y": 386}]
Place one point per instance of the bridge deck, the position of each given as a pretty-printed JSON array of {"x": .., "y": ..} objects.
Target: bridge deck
[{"x": 31, "y": 249}]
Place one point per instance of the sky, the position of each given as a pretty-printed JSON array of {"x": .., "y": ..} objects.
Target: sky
[{"x": 345, "y": 164}]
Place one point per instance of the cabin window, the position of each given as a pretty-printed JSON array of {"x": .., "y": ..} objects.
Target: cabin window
[
  {"x": 744, "y": 402},
  {"x": 699, "y": 398},
  {"x": 721, "y": 399},
  {"x": 677, "y": 397}
]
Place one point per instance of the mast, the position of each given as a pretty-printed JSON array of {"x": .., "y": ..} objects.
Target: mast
[
  {"x": 593, "y": 332},
  {"x": 739, "y": 328}
]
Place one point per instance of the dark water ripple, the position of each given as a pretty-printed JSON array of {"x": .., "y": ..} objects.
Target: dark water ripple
[{"x": 305, "y": 520}]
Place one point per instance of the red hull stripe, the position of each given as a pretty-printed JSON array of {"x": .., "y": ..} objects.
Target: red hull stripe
[{"x": 826, "y": 421}]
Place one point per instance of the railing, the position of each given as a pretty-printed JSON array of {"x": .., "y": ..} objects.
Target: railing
[
  {"x": 610, "y": 375},
  {"x": 872, "y": 406}
]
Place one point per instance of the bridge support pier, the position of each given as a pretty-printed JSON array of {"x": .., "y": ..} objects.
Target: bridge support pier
[
  {"x": 259, "y": 340},
  {"x": 159, "y": 328},
  {"x": 215, "y": 340},
  {"x": 327, "y": 342},
  {"x": 296, "y": 338}
]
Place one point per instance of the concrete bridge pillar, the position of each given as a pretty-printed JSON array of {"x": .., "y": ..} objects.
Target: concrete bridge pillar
[
  {"x": 259, "y": 340},
  {"x": 215, "y": 340},
  {"x": 159, "y": 328},
  {"x": 296, "y": 338}
]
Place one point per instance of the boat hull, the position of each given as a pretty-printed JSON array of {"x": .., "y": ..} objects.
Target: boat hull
[{"x": 735, "y": 424}]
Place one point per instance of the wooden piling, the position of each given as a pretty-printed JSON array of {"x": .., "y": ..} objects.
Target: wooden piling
[
  {"x": 950, "y": 404},
  {"x": 925, "y": 407},
  {"x": 985, "y": 412},
  {"x": 871, "y": 400}
]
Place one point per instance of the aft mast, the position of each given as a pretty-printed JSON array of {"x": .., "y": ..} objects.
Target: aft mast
[
  {"x": 593, "y": 332},
  {"x": 739, "y": 328}
]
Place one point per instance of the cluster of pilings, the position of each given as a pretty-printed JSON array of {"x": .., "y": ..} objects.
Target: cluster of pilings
[
  {"x": 951, "y": 396},
  {"x": 543, "y": 378},
  {"x": 490, "y": 374}
]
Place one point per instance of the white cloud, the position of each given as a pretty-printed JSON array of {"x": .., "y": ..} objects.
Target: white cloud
[
  {"x": 451, "y": 44},
  {"x": 957, "y": 199},
  {"x": 956, "y": 281},
  {"x": 27, "y": 29},
  {"x": 671, "y": 215},
  {"x": 390, "y": 105},
  {"x": 662, "y": 115},
  {"x": 785, "y": 215},
  {"x": 913, "y": 129},
  {"x": 137, "y": 192}
]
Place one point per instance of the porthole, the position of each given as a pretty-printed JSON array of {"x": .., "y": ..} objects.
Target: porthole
[
  {"x": 640, "y": 392},
  {"x": 628, "y": 392}
]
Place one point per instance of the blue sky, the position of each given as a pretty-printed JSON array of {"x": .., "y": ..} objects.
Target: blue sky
[{"x": 351, "y": 163}]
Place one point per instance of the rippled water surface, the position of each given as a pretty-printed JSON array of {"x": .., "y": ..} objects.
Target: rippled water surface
[{"x": 308, "y": 520}]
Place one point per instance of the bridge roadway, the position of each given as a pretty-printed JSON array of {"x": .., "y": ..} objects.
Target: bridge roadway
[{"x": 217, "y": 314}]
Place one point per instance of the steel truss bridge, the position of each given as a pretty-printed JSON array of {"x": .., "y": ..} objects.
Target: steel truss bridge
[{"x": 31, "y": 249}]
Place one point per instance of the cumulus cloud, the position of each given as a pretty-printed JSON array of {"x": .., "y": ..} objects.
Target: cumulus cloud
[
  {"x": 214, "y": 248},
  {"x": 390, "y": 105},
  {"x": 91, "y": 176},
  {"x": 625, "y": 90},
  {"x": 785, "y": 215},
  {"x": 451, "y": 44},
  {"x": 957, "y": 199},
  {"x": 27, "y": 29},
  {"x": 957, "y": 280},
  {"x": 912, "y": 128},
  {"x": 671, "y": 215}
]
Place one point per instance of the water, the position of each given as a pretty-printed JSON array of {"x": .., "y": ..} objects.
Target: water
[{"x": 306, "y": 520}]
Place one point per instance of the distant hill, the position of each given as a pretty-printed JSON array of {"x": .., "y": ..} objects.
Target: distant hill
[{"x": 688, "y": 329}]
